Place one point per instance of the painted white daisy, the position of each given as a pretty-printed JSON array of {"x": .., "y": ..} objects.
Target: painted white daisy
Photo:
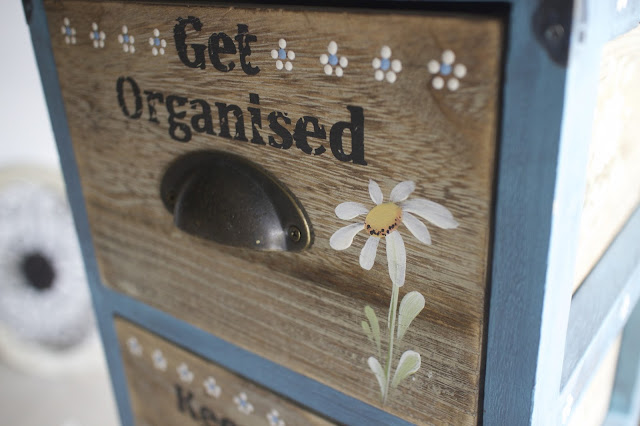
[
  {"x": 134, "y": 346},
  {"x": 383, "y": 220}
]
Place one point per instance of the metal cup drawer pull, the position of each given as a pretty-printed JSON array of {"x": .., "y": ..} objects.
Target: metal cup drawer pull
[{"x": 233, "y": 201}]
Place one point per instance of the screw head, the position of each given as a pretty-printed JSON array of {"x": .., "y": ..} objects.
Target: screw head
[{"x": 294, "y": 234}]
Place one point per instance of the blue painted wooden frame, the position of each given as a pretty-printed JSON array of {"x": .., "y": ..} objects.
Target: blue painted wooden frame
[{"x": 539, "y": 189}]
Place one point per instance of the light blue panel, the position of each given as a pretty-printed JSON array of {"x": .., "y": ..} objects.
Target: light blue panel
[
  {"x": 600, "y": 309},
  {"x": 625, "y": 399}
]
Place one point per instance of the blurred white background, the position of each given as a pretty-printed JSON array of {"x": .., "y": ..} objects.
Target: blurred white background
[{"x": 39, "y": 385}]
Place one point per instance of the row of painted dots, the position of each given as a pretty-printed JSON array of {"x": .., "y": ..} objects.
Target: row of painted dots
[
  {"x": 210, "y": 386},
  {"x": 445, "y": 72}
]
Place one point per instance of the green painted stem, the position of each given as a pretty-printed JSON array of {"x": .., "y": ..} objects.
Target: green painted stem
[{"x": 392, "y": 326}]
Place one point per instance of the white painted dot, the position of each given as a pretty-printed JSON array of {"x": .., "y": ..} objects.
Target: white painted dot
[
  {"x": 396, "y": 65},
  {"x": 161, "y": 50},
  {"x": 156, "y": 33},
  {"x": 132, "y": 40},
  {"x": 333, "y": 48},
  {"x": 64, "y": 30},
  {"x": 95, "y": 43},
  {"x": 90, "y": 36},
  {"x": 344, "y": 62},
  {"x": 437, "y": 82},
  {"x": 324, "y": 59},
  {"x": 66, "y": 21},
  {"x": 154, "y": 51},
  {"x": 328, "y": 69},
  {"x": 460, "y": 71},
  {"x": 279, "y": 64},
  {"x": 433, "y": 66},
  {"x": 120, "y": 38},
  {"x": 67, "y": 40},
  {"x": 125, "y": 47},
  {"x": 163, "y": 43},
  {"x": 385, "y": 52},
  {"x": 288, "y": 66},
  {"x": 391, "y": 77},
  {"x": 257, "y": 241},
  {"x": 448, "y": 57},
  {"x": 132, "y": 49},
  {"x": 125, "y": 29},
  {"x": 453, "y": 84},
  {"x": 94, "y": 26},
  {"x": 73, "y": 40},
  {"x": 376, "y": 63},
  {"x": 150, "y": 42},
  {"x": 379, "y": 75},
  {"x": 291, "y": 55},
  {"x": 103, "y": 36},
  {"x": 73, "y": 32},
  {"x": 339, "y": 72},
  {"x": 282, "y": 43},
  {"x": 274, "y": 54}
]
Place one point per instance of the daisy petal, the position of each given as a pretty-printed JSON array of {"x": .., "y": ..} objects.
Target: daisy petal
[
  {"x": 396, "y": 258},
  {"x": 349, "y": 210},
  {"x": 375, "y": 192},
  {"x": 433, "y": 212},
  {"x": 343, "y": 237},
  {"x": 368, "y": 253},
  {"x": 402, "y": 191},
  {"x": 417, "y": 228}
]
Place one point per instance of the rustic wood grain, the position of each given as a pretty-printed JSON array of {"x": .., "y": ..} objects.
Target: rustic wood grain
[
  {"x": 301, "y": 310},
  {"x": 155, "y": 400},
  {"x": 612, "y": 191}
]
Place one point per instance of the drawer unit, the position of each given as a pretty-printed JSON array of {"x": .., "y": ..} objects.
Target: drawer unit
[{"x": 319, "y": 215}]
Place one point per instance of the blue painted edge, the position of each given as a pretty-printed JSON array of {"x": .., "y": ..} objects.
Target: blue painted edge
[
  {"x": 599, "y": 310},
  {"x": 49, "y": 76},
  {"x": 298, "y": 388},
  {"x": 625, "y": 398},
  {"x": 532, "y": 112}
]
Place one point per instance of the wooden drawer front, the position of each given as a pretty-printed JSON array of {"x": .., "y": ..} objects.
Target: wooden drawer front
[
  {"x": 431, "y": 119},
  {"x": 171, "y": 386}
]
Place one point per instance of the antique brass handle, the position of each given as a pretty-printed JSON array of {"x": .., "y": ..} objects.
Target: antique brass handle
[{"x": 233, "y": 201}]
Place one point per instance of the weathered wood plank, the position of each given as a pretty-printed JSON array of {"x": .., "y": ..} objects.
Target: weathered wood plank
[{"x": 302, "y": 310}]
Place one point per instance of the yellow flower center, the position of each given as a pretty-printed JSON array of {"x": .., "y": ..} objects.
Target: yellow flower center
[{"x": 383, "y": 219}]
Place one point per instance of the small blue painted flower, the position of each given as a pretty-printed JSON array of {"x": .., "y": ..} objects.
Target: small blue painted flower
[
  {"x": 384, "y": 67},
  {"x": 274, "y": 418},
  {"x": 211, "y": 387},
  {"x": 97, "y": 36},
  {"x": 158, "y": 44},
  {"x": 331, "y": 60},
  {"x": 243, "y": 404},
  {"x": 126, "y": 40},
  {"x": 282, "y": 54},
  {"x": 159, "y": 361},
  {"x": 68, "y": 32},
  {"x": 134, "y": 346},
  {"x": 185, "y": 374},
  {"x": 446, "y": 69}
]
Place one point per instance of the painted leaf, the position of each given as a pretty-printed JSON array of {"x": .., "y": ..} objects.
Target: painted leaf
[
  {"x": 375, "y": 366},
  {"x": 411, "y": 305},
  {"x": 409, "y": 364},
  {"x": 375, "y": 327},
  {"x": 367, "y": 330}
]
